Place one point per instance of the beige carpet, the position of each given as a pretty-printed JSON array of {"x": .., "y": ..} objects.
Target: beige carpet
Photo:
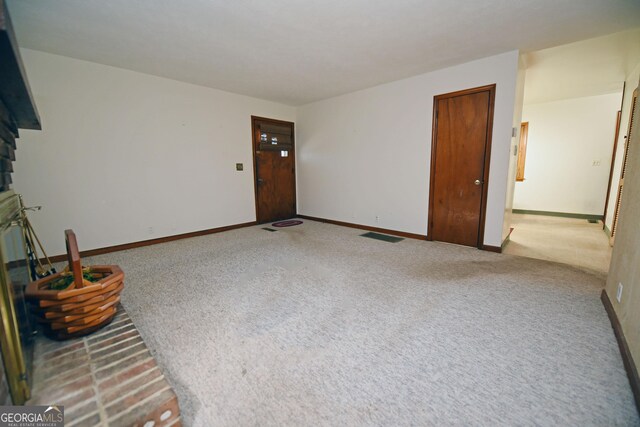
[
  {"x": 314, "y": 325},
  {"x": 567, "y": 240}
]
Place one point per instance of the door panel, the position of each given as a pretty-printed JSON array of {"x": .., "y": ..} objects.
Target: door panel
[
  {"x": 460, "y": 166},
  {"x": 274, "y": 160}
]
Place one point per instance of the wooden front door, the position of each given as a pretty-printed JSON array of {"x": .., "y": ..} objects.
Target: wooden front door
[
  {"x": 460, "y": 152},
  {"x": 274, "y": 169}
]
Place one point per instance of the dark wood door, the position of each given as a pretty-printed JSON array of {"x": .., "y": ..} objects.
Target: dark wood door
[
  {"x": 274, "y": 168},
  {"x": 460, "y": 165}
]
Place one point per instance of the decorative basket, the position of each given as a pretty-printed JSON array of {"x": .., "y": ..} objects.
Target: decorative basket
[{"x": 85, "y": 304}]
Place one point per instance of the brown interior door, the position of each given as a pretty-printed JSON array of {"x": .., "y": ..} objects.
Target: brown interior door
[
  {"x": 460, "y": 165},
  {"x": 274, "y": 168}
]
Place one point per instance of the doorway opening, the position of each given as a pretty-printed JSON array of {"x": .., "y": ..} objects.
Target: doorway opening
[{"x": 577, "y": 113}]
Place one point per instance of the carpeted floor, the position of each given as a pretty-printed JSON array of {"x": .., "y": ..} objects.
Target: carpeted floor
[
  {"x": 315, "y": 325},
  {"x": 567, "y": 240}
]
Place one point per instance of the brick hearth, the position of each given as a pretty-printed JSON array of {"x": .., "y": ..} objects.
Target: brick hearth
[{"x": 106, "y": 378}]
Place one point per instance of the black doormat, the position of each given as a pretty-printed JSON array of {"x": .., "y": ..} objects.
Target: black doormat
[
  {"x": 268, "y": 229},
  {"x": 287, "y": 223},
  {"x": 383, "y": 237}
]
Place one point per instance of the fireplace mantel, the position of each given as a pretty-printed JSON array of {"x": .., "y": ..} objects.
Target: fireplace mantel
[{"x": 17, "y": 111}]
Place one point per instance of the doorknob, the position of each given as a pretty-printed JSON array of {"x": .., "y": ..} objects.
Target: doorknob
[
  {"x": 477, "y": 182},
  {"x": 260, "y": 180}
]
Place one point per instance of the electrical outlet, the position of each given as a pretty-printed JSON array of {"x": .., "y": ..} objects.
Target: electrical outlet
[
  {"x": 377, "y": 218},
  {"x": 150, "y": 230},
  {"x": 619, "y": 293},
  {"x": 595, "y": 163}
]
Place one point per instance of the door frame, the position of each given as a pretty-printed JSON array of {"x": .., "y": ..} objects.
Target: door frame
[
  {"x": 487, "y": 156},
  {"x": 613, "y": 161},
  {"x": 255, "y": 119},
  {"x": 625, "y": 157}
]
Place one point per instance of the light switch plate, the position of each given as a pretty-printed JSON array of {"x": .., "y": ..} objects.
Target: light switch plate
[
  {"x": 619, "y": 293},
  {"x": 239, "y": 166}
]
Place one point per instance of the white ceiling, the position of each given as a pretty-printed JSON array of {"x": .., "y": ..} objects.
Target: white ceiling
[
  {"x": 298, "y": 51},
  {"x": 590, "y": 67}
]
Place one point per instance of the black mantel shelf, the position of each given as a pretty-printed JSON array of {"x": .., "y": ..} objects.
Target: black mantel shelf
[
  {"x": 17, "y": 110},
  {"x": 14, "y": 87}
]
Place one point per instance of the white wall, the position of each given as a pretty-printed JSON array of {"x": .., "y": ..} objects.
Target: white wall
[
  {"x": 631, "y": 84},
  {"x": 565, "y": 138},
  {"x": 366, "y": 154},
  {"x": 125, "y": 156}
]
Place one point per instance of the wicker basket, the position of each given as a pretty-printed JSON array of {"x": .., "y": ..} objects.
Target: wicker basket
[{"x": 82, "y": 307}]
